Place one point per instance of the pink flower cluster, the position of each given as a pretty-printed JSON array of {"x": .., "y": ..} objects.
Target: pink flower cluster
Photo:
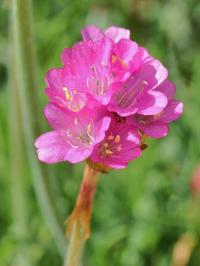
[{"x": 108, "y": 95}]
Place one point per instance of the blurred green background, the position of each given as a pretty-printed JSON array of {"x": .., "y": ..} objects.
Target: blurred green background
[{"x": 145, "y": 215}]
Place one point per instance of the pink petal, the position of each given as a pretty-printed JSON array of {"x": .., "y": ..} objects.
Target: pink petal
[
  {"x": 161, "y": 71},
  {"x": 126, "y": 158},
  {"x": 84, "y": 57},
  {"x": 103, "y": 49},
  {"x": 66, "y": 56},
  {"x": 100, "y": 129},
  {"x": 57, "y": 117},
  {"x": 126, "y": 50},
  {"x": 152, "y": 103},
  {"x": 118, "y": 165},
  {"x": 54, "y": 78},
  {"x": 130, "y": 155},
  {"x": 172, "y": 112},
  {"x": 168, "y": 88},
  {"x": 78, "y": 155},
  {"x": 117, "y": 33},
  {"x": 92, "y": 33},
  {"x": 52, "y": 147},
  {"x": 155, "y": 130}
]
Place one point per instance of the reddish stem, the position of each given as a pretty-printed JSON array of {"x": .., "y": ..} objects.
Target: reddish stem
[{"x": 83, "y": 208}]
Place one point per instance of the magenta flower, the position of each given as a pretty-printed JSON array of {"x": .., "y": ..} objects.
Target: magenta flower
[
  {"x": 156, "y": 126},
  {"x": 109, "y": 93}
]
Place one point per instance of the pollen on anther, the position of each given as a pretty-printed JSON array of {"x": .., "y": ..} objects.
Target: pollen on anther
[
  {"x": 117, "y": 139},
  {"x": 144, "y": 82},
  {"x": 157, "y": 116},
  {"x": 76, "y": 121},
  {"x": 114, "y": 59},
  {"x": 108, "y": 152},
  {"x": 67, "y": 94},
  {"x": 111, "y": 137}
]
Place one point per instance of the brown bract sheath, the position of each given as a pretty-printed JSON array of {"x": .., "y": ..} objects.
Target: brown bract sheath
[{"x": 83, "y": 208}]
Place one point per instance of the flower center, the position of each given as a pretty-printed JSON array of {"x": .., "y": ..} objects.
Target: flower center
[
  {"x": 68, "y": 95},
  {"x": 75, "y": 100},
  {"x": 97, "y": 82},
  {"x": 145, "y": 119},
  {"x": 128, "y": 96},
  {"x": 142, "y": 119},
  {"x": 80, "y": 134},
  {"x": 110, "y": 146},
  {"x": 116, "y": 58}
]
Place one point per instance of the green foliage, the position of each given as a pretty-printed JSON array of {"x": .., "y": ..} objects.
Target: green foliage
[{"x": 141, "y": 212}]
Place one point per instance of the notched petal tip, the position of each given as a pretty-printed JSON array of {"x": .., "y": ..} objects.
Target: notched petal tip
[
  {"x": 179, "y": 108},
  {"x": 92, "y": 33}
]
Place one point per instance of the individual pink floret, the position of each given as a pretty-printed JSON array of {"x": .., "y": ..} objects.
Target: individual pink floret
[
  {"x": 126, "y": 59},
  {"x": 60, "y": 94},
  {"x": 120, "y": 145},
  {"x": 137, "y": 94},
  {"x": 87, "y": 69},
  {"x": 156, "y": 126},
  {"x": 74, "y": 135}
]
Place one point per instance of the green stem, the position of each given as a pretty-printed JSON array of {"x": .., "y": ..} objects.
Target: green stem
[
  {"x": 18, "y": 177},
  {"x": 24, "y": 56},
  {"x": 76, "y": 245}
]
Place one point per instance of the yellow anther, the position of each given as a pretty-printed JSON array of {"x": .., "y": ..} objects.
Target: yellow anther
[
  {"x": 157, "y": 116},
  {"x": 105, "y": 145},
  {"x": 117, "y": 139},
  {"x": 108, "y": 152},
  {"x": 67, "y": 94},
  {"x": 116, "y": 58},
  {"x": 144, "y": 82},
  {"x": 111, "y": 137}
]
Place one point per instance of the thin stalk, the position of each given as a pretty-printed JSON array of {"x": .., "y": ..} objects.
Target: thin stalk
[
  {"x": 78, "y": 224},
  {"x": 19, "y": 197},
  {"x": 76, "y": 245},
  {"x": 23, "y": 52}
]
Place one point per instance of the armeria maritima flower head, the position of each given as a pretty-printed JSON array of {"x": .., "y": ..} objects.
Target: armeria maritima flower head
[{"x": 109, "y": 94}]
